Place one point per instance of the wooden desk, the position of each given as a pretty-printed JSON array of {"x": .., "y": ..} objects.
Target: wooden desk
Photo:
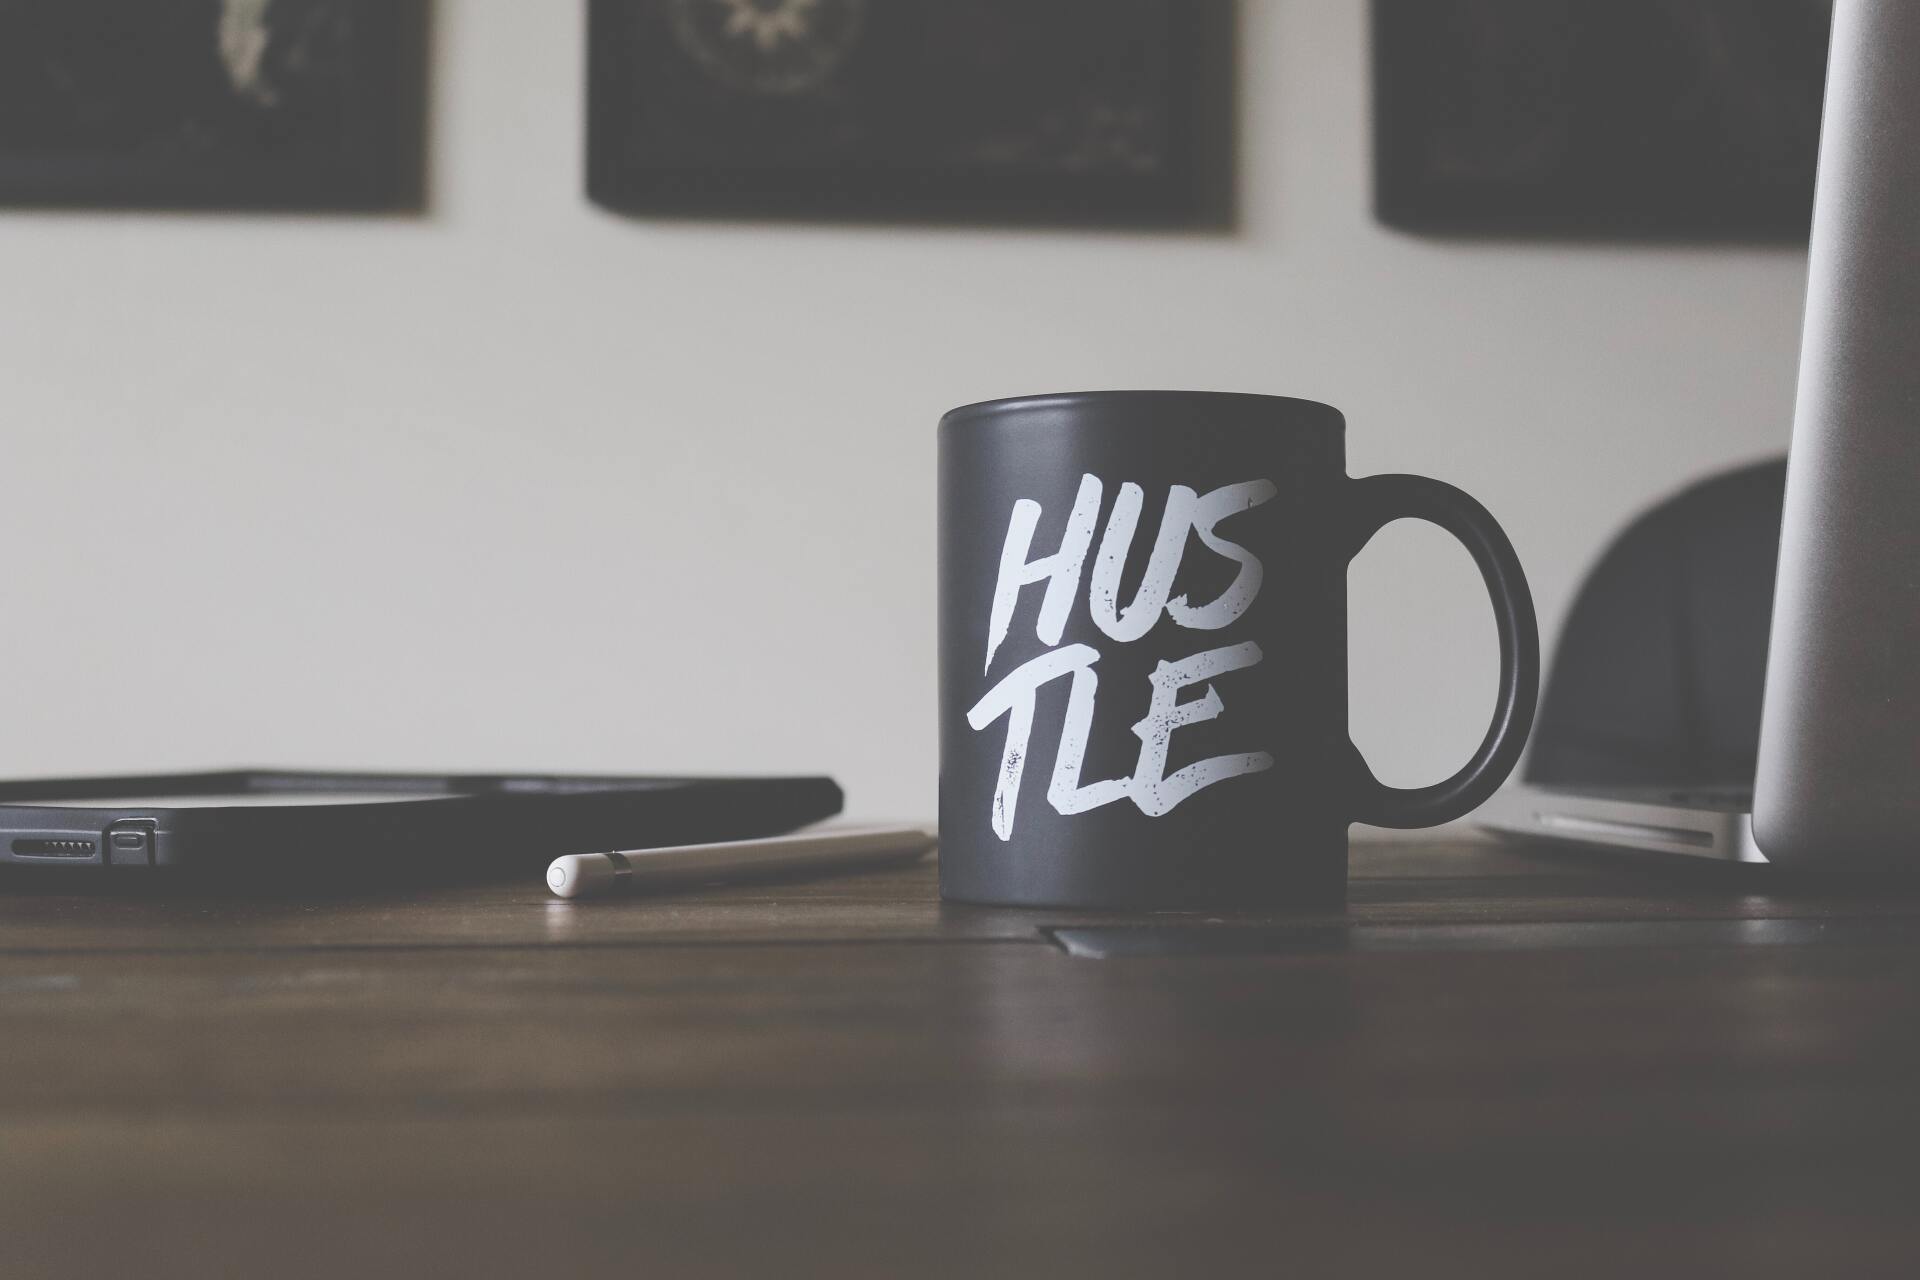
[{"x": 1673, "y": 1076}]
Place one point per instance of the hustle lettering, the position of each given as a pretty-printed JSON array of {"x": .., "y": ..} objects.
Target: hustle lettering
[{"x": 1151, "y": 789}]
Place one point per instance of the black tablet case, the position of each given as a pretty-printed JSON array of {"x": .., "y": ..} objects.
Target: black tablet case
[{"x": 467, "y": 827}]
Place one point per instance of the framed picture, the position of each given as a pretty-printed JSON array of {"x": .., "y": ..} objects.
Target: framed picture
[
  {"x": 1658, "y": 118},
  {"x": 1071, "y": 111},
  {"x": 272, "y": 104}
]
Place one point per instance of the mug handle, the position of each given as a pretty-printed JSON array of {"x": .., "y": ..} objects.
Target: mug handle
[{"x": 1378, "y": 502}]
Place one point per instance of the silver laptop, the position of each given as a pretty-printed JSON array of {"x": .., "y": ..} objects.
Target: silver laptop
[{"x": 1838, "y": 780}]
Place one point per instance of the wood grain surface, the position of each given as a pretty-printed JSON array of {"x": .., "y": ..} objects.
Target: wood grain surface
[{"x": 1496, "y": 1062}]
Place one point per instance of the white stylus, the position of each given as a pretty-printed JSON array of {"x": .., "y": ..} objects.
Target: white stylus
[{"x": 580, "y": 875}]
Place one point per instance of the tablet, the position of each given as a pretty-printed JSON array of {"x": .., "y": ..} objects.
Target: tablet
[{"x": 256, "y": 825}]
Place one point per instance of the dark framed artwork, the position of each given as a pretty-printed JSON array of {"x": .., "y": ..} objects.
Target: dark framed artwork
[
  {"x": 1680, "y": 119},
  {"x": 271, "y": 104},
  {"x": 1071, "y": 111}
]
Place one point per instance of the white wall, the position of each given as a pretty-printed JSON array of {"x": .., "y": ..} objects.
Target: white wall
[{"x": 523, "y": 484}]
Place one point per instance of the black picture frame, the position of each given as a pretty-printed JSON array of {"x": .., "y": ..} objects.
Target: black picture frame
[
  {"x": 1079, "y": 112},
  {"x": 211, "y": 104},
  {"x": 1662, "y": 119}
]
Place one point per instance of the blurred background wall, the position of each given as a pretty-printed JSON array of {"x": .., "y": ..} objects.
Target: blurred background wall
[{"x": 520, "y": 483}]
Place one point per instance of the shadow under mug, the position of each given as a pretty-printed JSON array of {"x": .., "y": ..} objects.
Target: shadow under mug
[{"x": 1143, "y": 651}]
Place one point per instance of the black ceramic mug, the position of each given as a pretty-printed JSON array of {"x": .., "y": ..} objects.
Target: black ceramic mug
[{"x": 1143, "y": 651}]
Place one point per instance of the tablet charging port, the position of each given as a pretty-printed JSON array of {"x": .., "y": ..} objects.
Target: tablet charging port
[{"x": 130, "y": 843}]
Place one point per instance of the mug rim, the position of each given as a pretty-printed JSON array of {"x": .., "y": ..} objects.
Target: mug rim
[{"x": 1067, "y": 399}]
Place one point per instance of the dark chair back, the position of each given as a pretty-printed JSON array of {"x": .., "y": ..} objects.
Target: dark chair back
[{"x": 1658, "y": 675}]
